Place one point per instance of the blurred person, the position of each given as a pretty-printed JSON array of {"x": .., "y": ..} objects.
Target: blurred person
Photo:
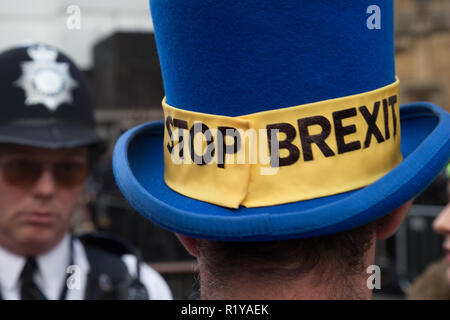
[
  {"x": 335, "y": 162},
  {"x": 434, "y": 282},
  {"x": 48, "y": 146}
]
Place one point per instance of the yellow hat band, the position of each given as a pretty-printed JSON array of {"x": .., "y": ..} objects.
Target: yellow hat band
[{"x": 283, "y": 155}]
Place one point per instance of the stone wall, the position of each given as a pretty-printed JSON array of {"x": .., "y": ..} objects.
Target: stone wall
[{"x": 422, "y": 45}]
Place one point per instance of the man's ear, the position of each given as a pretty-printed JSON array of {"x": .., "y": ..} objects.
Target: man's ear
[
  {"x": 190, "y": 244},
  {"x": 393, "y": 221}
]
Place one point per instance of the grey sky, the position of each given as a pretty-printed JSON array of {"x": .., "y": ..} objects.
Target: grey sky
[{"x": 46, "y": 20}]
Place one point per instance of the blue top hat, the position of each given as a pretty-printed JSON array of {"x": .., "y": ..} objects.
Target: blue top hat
[{"x": 321, "y": 72}]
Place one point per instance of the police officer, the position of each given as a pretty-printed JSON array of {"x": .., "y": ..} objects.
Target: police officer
[{"x": 47, "y": 147}]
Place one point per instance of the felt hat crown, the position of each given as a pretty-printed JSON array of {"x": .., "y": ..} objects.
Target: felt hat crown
[{"x": 315, "y": 79}]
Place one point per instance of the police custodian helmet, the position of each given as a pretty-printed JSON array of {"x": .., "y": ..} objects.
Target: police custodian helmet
[{"x": 45, "y": 101}]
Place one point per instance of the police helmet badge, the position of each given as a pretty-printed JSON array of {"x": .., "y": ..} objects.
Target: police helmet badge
[
  {"x": 46, "y": 99},
  {"x": 44, "y": 80}
]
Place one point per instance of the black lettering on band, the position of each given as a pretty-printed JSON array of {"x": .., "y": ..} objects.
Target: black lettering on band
[
  {"x": 392, "y": 102},
  {"x": 199, "y": 127},
  {"x": 290, "y": 133},
  {"x": 387, "y": 134},
  {"x": 371, "y": 120},
  {"x": 319, "y": 139},
  {"x": 182, "y": 125},
  {"x": 223, "y": 148},
  {"x": 169, "y": 122},
  {"x": 342, "y": 131}
]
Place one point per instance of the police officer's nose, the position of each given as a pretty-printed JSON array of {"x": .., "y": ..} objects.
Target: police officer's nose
[
  {"x": 442, "y": 223},
  {"x": 45, "y": 186}
]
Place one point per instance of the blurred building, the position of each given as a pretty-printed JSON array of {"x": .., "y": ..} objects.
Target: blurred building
[{"x": 422, "y": 47}]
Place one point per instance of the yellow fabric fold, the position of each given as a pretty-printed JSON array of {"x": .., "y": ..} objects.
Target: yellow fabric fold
[{"x": 283, "y": 155}]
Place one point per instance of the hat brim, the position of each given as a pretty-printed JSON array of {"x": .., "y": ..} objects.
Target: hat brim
[
  {"x": 49, "y": 135},
  {"x": 139, "y": 171}
]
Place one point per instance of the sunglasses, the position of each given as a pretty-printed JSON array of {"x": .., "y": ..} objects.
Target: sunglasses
[{"x": 25, "y": 173}]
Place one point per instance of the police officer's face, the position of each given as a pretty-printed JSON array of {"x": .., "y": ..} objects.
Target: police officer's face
[
  {"x": 442, "y": 225},
  {"x": 39, "y": 191}
]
